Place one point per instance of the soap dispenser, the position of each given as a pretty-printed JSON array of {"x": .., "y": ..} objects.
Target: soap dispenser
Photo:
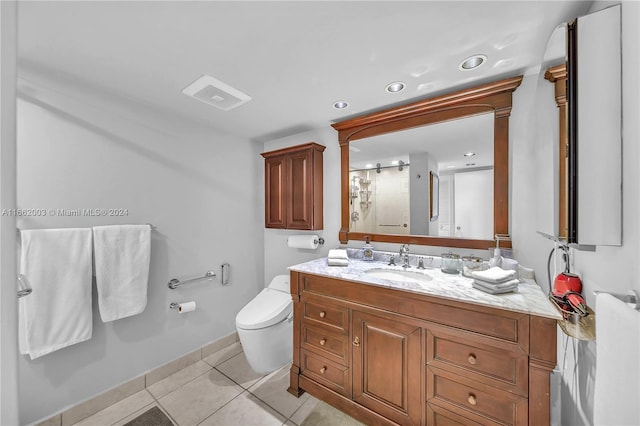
[
  {"x": 496, "y": 260},
  {"x": 367, "y": 250}
]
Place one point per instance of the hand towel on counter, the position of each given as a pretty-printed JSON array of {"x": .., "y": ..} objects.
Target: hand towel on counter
[
  {"x": 338, "y": 257},
  {"x": 122, "y": 257},
  {"x": 494, "y": 275},
  {"x": 506, "y": 287},
  {"x": 57, "y": 265}
]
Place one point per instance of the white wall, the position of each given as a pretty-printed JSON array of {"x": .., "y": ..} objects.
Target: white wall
[
  {"x": 8, "y": 302},
  {"x": 612, "y": 269},
  {"x": 79, "y": 148}
]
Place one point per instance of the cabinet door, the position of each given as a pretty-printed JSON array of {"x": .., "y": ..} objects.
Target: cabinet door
[
  {"x": 275, "y": 201},
  {"x": 300, "y": 184},
  {"x": 387, "y": 366}
]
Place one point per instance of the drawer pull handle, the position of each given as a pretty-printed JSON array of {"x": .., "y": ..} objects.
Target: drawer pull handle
[
  {"x": 323, "y": 342},
  {"x": 323, "y": 314},
  {"x": 472, "y": 399},
  {"x": 472, "y": 359},
  {"x": 323, "y": 369},
  {"x": 356, "y": 341}
]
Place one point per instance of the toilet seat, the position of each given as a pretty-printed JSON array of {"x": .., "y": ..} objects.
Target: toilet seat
[{"x": 267, "y": 308}]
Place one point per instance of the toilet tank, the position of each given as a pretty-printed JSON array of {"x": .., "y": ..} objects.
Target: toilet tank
[{"x": 280, "y": 283}]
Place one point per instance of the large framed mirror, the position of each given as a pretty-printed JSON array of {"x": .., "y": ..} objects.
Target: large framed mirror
[{"x": 389, "y": 158}]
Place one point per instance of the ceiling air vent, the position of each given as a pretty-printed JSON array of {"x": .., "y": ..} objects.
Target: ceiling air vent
[{"x": 216, "y": 93}]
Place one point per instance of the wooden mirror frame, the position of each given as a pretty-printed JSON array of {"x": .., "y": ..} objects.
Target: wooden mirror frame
[
  {"x": 558, "y": 76},
  {"x": 493, "y": 97}
]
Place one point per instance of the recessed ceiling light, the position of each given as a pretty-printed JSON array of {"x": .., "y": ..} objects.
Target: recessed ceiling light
[
  {"x": 396, "y": 86},
  {"x": 469, "y": 154},
  {"x": 368, "y": 166},
  {"x": 395, "y": 162},
  {"x": 340, "y": 104},
  {"x": 472, "y": 62},
  {"x": 451, "y": 167}
]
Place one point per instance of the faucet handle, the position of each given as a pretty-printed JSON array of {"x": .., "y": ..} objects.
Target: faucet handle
[
  {"x": 392, "y": 260},
  {"x": 420, "y": 263}
]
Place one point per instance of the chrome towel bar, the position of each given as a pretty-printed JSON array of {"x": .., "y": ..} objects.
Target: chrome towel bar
[{"x": 175, "y": 283}]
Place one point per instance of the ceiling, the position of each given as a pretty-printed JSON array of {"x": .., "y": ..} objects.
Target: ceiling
[{"x": 293, "y": 58}]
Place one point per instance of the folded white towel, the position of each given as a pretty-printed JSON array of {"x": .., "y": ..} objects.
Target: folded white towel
[
  {"x": 494, "y": 275},
  {"x": 337, "y": 262},
  {"x": 338, "y": 254},
  {"x": 122, "y": 257},
  {"x": 494, "y": 290},
  {"x": 505, "y": 284},
  {"x": 57, "y": 265}
]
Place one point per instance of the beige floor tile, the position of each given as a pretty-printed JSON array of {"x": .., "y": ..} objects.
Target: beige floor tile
[
  {"x": 52, "y": 421},
  {"x": 174, "y": 381},
  {"x": 324, "y": 414},
  {"x": 239, "y": 370},
  {"x": 272, "y": 389},
  {"x": 223, "y": 354},
  {"x": 245, "y": 410},
  {"x": 305, "y": 409},
  {"x": 119, "y": 410},
  {"x": 198, "y": 399}
]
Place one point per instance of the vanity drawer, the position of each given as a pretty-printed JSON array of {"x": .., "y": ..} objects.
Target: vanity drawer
[
  {"x": 491, "y": 361},
  {"x": 325, "y": 341},
  {"x": 467, "y": 397},
  {"x": 438, "y": 416},
  {"x": 325, "y": 311},
  {"x": 326, "y": 372}
]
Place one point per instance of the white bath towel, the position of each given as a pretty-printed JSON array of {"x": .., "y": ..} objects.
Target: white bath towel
[
  {"x": 338, "y": 254},
  {"x": 494, "y": 275},
  {"x": 617, "y": 388},
  {"x": 57, "y": 265},
  {"x": 122, "y": 256},
  {"x": 337, "y": 262}
]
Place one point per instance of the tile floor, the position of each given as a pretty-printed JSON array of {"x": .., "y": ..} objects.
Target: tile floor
[{"x": 221, "y": 389}]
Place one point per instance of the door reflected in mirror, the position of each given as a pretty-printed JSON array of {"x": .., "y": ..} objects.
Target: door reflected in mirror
[{"x": 391, "y": 177}]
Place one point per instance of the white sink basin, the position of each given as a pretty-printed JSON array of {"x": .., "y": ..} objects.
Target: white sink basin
[{"x": 397, "y": 275}]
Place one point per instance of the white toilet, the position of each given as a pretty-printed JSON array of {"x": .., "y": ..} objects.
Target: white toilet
[{"x": 265, "y": 327}]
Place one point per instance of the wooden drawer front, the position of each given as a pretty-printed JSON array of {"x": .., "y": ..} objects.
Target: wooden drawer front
[
  {"x": 322, "y": 310},
  {"x": 495, "y": 363},
  {"x": 326, "y": 342},
  {"x": 326, "y": 372},
  {"x": 438, "y": 416},
  {"x": 470, "y": 398}
]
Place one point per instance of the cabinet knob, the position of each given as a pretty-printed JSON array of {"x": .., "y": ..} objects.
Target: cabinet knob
[
  {"x": 472, "y": 399},
  {"x": 323, "y": 314},
  {"x": 472, "y": 359},
  {"x": 323, "y": 342},
  {"x": 323, "y": 369},
  {"x": 356, "y": 341}
]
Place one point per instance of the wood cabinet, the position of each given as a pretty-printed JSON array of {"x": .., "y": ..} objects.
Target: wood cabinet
[
  {"x": 293, "y": 187},
  {"x": 387, "y": 356}
]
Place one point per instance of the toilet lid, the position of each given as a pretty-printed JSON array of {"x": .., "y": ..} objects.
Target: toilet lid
[{"x": 267, "y": 308}]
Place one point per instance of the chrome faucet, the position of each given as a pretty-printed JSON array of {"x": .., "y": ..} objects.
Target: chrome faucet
[{"x": 404, "y": 255}]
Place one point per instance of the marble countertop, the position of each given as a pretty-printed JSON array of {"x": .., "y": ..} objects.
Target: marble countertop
[{"x": 528, "y": 299}]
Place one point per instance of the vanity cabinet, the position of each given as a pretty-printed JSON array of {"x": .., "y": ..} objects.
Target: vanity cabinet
[
  {"x": 293, "y": 187},
  {"x": 389, "y": 356}
]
